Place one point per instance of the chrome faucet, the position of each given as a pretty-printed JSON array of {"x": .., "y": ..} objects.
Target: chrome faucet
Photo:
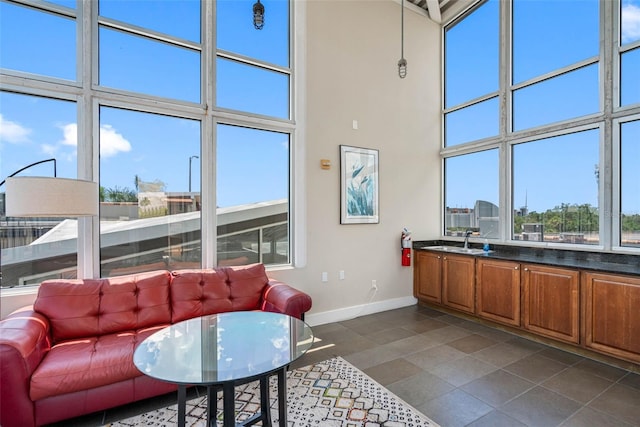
[{"x": 466, "y": 238}]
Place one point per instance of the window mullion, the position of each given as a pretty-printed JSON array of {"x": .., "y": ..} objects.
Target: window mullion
[
  {"x": 505, "y": 177},
  {"x": 608, "y": 102},
  {"x": 88, "y": 227},
  {"x": 208, "y": 138}
]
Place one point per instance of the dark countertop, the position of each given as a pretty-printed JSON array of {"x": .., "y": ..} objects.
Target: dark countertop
[{"x": 595, "y": 261}]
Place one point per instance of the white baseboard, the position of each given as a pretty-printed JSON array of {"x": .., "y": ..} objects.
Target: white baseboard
[{"x": 346, "y": 313}]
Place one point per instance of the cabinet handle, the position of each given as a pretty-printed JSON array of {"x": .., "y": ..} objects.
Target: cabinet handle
[
  {"x": 516, "y": 267},
  {"x": 438, "y": 256},
  {"x": 526, "y": 269}
]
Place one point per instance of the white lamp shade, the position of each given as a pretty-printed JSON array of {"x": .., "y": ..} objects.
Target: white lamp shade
[{"x": 50, "y": 197}]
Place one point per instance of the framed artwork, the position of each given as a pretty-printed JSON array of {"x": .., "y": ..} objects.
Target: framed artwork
[{"x": 359, "y": 186}]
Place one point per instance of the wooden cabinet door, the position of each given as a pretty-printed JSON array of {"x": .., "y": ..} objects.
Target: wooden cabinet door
[
  {"x": 458, "y": 282},
  {"x": 427, "y": 275},
  {"x": 612, "y": 314},
  {"x": 498, "y": 291},
  {"x": 551, "y": 302}
]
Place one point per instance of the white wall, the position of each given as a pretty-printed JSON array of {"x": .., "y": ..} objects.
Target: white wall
[{"x": 352, "y": 48}]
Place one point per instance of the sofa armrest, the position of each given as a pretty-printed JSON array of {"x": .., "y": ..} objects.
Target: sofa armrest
[
  {"x": 24, "y": 340},
  {"x": 282, "y": 298}
]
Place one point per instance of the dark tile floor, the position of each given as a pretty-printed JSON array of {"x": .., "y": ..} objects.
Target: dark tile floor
[{"x": 461, "y": 373}]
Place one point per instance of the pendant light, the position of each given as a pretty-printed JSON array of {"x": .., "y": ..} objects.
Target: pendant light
[
  {"x": 402, "y": 63},
  {"x": 258, "y": 15}
]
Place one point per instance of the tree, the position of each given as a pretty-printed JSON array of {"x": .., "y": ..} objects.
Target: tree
[{"x": 117, "y": 194}]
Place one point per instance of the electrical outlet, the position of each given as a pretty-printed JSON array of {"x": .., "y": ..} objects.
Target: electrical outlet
[
  {"x": 325, "y": 276},
  {"x": 341, "y": 274},
  {"x": 374, "y": 284}
]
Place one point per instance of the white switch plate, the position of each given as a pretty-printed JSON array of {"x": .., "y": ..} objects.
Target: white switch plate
[
  {"x": 341, "y": 274},
  {"x": 325, "y": 276}
]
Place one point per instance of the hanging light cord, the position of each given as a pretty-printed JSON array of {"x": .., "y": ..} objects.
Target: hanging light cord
[{"x": 402, "y": 29}]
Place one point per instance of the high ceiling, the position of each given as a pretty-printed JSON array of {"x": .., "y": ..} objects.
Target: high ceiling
[{"x": 441, "y": 10}]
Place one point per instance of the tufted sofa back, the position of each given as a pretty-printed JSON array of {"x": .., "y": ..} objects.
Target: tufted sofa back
[
  {"x": 93, "y": 307},
  {"x": 200, "y": 292}
]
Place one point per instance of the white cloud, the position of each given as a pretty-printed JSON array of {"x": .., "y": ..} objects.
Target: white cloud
[
  {"x": 70, "y": 133},
  {"x": 13, "y": 132},
  {"x": 111, "y": 142},
  {"x": 49, "y": 149},
  {"x": 630, "y": 23}
]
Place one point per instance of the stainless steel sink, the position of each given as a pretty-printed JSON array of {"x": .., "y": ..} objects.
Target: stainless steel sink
[{"x": 457, "y": 250}]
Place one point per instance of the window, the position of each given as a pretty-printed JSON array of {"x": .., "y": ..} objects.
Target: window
[
  {"x": 630, "y": 184},
  {"x": 544, "y": 37},
  {"x": 629, "y": 52},
  {"x": 166, "y": 114},
  {"x": 471, "y": 74},
  {"x": 538, "y": 53},
  {"x": 457, "y": 122},
  {"x": 560, "y": 98},
  {"x": 629, "y": 72},
  {"x": 235, "y": 33},
  {"x": 472, "y": 204},
  {"x": 160, "y": 17},
  {"x": 551, "y": 119},
  {"x": 153, "y": 67},
  {"x": 35, "y": 129},
  {"x": 557, "y": 195},
  {"x": 269, "y": 89},
  {"x": 149, "y": 219},
  {"x": 257, "y": 193},
  {"x": 50, "y": 37},
  {"x": 471, "y": 57}
]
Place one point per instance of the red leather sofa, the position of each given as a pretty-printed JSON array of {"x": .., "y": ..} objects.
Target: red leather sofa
[{"x": 72, "y": 352}]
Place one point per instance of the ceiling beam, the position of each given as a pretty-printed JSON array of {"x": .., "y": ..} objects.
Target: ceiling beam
[
  {"x": 409, "y": 5},
  {"x": 434, "y": 11}
]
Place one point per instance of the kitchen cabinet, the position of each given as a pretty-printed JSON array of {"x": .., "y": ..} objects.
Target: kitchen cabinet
[
  {"x": 458, "y": 282},
  {"x": 551, "y": 302},
  {"x": 427, "y": 276},
  {"x": 612, "y": 314},
  {"x": 498, "y": 291}
]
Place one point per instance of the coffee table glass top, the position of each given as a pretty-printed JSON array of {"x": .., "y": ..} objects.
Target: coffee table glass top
[{"x": 223, "y": 347}]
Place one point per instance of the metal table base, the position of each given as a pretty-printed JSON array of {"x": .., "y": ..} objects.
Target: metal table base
[{"x": 228, "y": 393}]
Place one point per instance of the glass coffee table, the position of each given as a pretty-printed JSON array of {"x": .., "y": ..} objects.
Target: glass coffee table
[{"x": 222, "y": 351}]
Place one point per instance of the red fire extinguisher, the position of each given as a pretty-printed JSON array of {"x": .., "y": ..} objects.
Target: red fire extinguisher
[{"x": 405, "y": 245}]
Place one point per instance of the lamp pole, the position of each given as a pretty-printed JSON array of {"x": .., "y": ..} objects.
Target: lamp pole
[
  {"x": 33, "y": 164},
  {"x": 191, "y": 158}
]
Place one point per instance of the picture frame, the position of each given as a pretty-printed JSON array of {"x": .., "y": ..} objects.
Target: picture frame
[{"x": 359, "y": 186}]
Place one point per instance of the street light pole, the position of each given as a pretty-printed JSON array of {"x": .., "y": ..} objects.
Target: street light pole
[{"x": 191, "y": 158}]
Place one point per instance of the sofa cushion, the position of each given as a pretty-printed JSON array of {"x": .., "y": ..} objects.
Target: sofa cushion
[
  {"x": 87, "y": 363},
  {"x": 93, "y": 307},
  {"x": 247, "y": 285},
  {"x": 199, "y": 292}
]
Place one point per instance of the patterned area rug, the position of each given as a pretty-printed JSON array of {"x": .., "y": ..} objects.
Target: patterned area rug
[{"x": 331, "y": 393}]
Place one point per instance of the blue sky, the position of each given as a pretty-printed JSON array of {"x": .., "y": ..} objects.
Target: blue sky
[
  {"x": 556, "y": 170},
  {"x": 155, "y": 147}
]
